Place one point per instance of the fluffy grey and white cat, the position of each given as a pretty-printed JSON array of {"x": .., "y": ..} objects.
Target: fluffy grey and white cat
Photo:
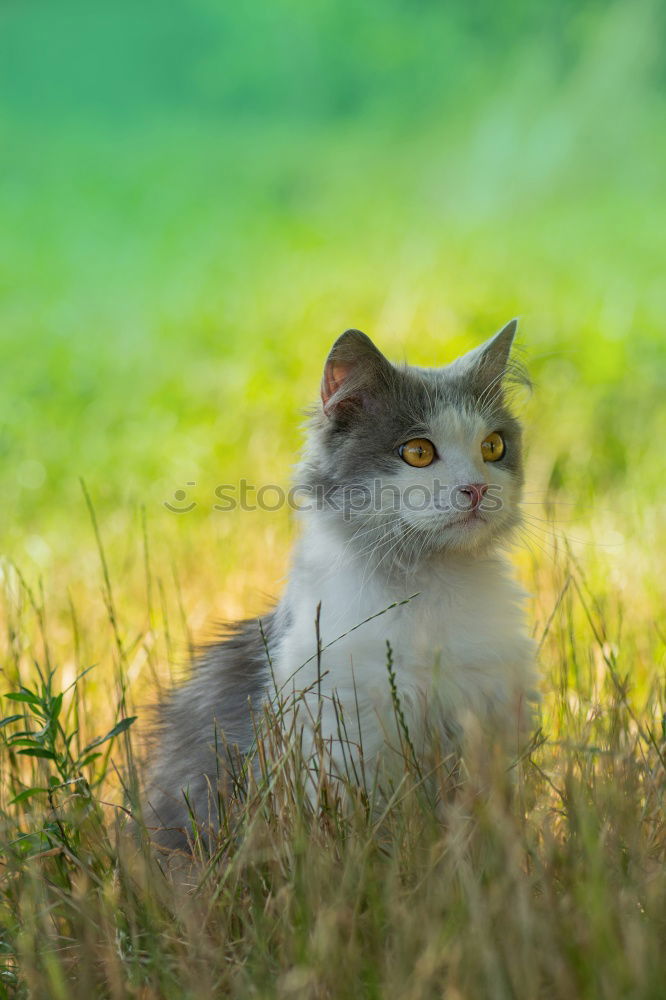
[{"x": 412, "y": 480}]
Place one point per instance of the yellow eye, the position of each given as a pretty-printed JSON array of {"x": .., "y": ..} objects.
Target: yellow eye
[
  {"x": 418, "y": 452},
  {"x": 492, "y": 448}
]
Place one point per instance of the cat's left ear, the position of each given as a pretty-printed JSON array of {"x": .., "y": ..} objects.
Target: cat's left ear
[
  {"x": 354, "y": 375},
  {"x": 489, "y": 364}
]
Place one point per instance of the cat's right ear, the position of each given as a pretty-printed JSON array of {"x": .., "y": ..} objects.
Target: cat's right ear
[{"x": 352, "y": 372}]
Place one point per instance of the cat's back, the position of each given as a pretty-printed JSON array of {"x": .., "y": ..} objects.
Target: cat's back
[{"x": 202, "y": 722}]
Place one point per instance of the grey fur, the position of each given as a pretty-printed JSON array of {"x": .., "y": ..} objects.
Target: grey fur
[{"x": 214, "y": 708}]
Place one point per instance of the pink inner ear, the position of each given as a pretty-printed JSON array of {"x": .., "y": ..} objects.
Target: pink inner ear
[{"x": 335, "y": 374}]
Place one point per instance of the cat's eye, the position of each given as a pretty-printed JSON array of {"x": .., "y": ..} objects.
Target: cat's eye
[
  {"x": 492, "y": 447},
  {"x": 418, "y": 452}
]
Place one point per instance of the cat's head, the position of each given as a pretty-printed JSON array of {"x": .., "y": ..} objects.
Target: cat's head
[{"x": 413, "y": 460}]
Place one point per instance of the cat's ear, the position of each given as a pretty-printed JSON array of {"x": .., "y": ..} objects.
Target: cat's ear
[
  {"x": 488, "y": 365},
  {"x": 354, "y": 371}
]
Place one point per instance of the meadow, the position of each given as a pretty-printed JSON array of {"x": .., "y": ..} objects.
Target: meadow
[{"x": 193, "y": 207}]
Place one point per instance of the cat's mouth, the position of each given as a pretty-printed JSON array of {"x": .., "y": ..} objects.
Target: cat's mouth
[
  {"x": 460, "y": 530},
  {"x": 468, "y": 520},
  {"x": 469, "y": 517}
]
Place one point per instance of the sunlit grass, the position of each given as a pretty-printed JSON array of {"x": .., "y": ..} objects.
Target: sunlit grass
[{"x": 546, "y": 879}]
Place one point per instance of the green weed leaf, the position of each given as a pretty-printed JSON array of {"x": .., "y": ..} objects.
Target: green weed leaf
[
  {"x": 8, "y": 719},
  {"x": 25, "y": 696},
  {"x": 38, "y": 752},
  {"x": 119, "y": 728},
  {"x": 27, "y": 793}
]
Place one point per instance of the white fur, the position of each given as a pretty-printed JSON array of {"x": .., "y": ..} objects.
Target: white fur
[{"x": 460, "y": 649}]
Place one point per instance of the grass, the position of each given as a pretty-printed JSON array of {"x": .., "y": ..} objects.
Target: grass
[
  {"x": 171, "y": 279},
  {"x": 546, "y": 879}
]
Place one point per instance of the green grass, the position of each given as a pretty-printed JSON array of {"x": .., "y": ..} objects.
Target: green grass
[{"x": 177, "y": 253}]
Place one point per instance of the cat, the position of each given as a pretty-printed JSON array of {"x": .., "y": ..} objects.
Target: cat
[{"x": 413, "y": 479}]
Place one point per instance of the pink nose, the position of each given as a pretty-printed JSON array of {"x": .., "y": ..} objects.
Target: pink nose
[{"x": 475, "y": 492}]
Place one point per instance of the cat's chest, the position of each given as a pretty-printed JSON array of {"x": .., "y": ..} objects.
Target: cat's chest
[{"x": 456, "y": 629}]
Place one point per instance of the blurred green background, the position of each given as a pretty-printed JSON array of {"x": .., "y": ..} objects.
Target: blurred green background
[{"x": 197, "y": 197}]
